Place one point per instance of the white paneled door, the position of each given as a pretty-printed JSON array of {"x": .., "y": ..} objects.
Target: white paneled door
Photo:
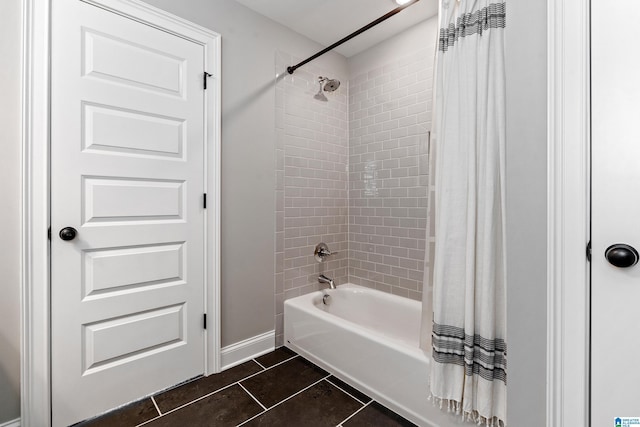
[
  {"x": 615, "y": 292},
  {"x": 127, "y": 214}
]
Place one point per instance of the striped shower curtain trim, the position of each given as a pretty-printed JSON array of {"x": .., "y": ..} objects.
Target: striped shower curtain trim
[{"x": 491, "y": 16}]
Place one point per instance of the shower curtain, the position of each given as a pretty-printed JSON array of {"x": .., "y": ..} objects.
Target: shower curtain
[{"x": 468, "y": 331}]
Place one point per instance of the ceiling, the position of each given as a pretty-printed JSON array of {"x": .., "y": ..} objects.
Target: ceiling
[{"x": 327, "y": 21}]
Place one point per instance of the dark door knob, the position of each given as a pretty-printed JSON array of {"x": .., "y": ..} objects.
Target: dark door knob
[
  {"x": 68, "y": 233},
  {"x": 621, "y": 255}
]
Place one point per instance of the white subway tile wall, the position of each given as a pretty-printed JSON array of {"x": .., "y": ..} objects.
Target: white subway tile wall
[
  {"x": 352, "y": 172},
  {"x": 389, "y": 123},
  {"x": 312, "y": 182}
]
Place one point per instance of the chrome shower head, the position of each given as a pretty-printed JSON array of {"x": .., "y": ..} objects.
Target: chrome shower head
[{"x": 330, "y": 84}]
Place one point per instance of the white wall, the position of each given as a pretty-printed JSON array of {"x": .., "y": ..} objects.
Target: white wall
[
  {"x": 413, "y": 39},
  {"x": 249, "y": 44},
  {"x": 311, "y": 189},
  {"x": 10, "y": 11},
  {"x": 526, "y": 212}
]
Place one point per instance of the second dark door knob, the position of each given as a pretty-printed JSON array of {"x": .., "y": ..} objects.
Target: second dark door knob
[
  {"x": 68, "y": 233},
  {"x": 621, "y": 255}
]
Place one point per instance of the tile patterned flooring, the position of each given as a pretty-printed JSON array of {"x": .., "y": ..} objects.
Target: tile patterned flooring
[{"x": 277, "y": 389}]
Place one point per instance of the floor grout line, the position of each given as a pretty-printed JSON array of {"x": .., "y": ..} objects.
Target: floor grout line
[
  {"x": 148, "y": 421},
  {"x": 345, "y": 391},
  {"x": 260, "y": 364},
  {"x": 219, "y": 390},
  {"x": 252, "y": 396},
  {"x": 156, "y": 405},
  {"x": 298, "y": 392},
  {"x": 252, "y": 418},
  {"x": 266, "y": 369},
  {"x": 284, "y": 361},
  {"x": 354, "y": 414},
  {"x": 191, "y": 402},
  {"x": 265, "y": 409}
]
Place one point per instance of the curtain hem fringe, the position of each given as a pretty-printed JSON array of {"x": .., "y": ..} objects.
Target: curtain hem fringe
[{"x": 454, "y": 407}]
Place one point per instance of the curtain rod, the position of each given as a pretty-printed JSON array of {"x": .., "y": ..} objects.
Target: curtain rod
[{"x": 384, "y": 17}]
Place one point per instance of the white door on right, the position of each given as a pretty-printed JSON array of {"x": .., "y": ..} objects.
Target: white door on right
[{"x": 615, "y": 288}]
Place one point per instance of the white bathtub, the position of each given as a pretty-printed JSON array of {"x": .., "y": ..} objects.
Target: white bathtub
[{"x": 368, "y": 339}]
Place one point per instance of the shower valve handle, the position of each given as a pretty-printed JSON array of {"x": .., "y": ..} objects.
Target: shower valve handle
[
  {"x": 321, "y": 252},
  {"x": 324, "y": 252}
]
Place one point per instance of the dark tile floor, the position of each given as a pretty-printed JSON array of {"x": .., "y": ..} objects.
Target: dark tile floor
[{"x": 277, "y": 389}]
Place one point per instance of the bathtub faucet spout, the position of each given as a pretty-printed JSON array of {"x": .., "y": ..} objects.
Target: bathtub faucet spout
[{"x": 324, "y": 279}]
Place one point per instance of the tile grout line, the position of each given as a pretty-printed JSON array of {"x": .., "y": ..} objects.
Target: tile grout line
[
  {"x": 156, "y": 405},
  {"x": 345, "y": 392},
  {"x": 252, "y": 418},
  {"x": 266, "y": 369},
  {"x": 148, "y": 421},
  {"x": 252, "y": 396},
  {"x": 259, "y": 364},
  {"x": 282, "y": 401},
  {"x": 191, "y": 402},
  {"x": 217, "y": 391},
  {"x": 298, "y": 392},
  {"x": 284, "y": 361},
  {"x": 354, "y": 414}
]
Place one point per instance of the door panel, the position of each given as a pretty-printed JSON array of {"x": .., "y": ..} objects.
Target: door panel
[
  {"x": 111, "y": 342},
  {"x": 128, "y": 200},
  {"x": 615, "y": 292},
  {"x": 107, "y": 56},
  {"x": 127, "y": 162},
  {"x": 108, "y": 271},
  {"x": 129, "y": 133}
]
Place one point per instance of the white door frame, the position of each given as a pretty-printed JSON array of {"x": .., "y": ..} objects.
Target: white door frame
[
  {"x": 568, "y": 226},
  {"x": 35, "y": 256}
]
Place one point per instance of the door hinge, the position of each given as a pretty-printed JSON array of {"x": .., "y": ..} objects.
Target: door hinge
[
  {"x": 204, "y": 200},
  {"x": 204, "y": 321},
  {"x": 589, "y": 251},
  {"x": 49, "y": 233},
  {"x": 204, "y": 79}
]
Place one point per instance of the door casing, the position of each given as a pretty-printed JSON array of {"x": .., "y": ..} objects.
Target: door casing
[
  {"x": 35, "y": 212},
  {"x": 568, "y": 212}
]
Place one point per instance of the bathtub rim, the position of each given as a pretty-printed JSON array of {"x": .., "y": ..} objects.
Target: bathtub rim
[
  {"x": 355, "y": 327},
  {"x": 306, "y": 304}
]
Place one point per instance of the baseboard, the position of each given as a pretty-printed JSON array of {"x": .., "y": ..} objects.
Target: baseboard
[
  {"x": 242, "y": 351},
  {"x": 12, "y": 423}
]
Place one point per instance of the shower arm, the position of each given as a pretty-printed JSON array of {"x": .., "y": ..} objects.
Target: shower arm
[{"x": 384, "y": 17}]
